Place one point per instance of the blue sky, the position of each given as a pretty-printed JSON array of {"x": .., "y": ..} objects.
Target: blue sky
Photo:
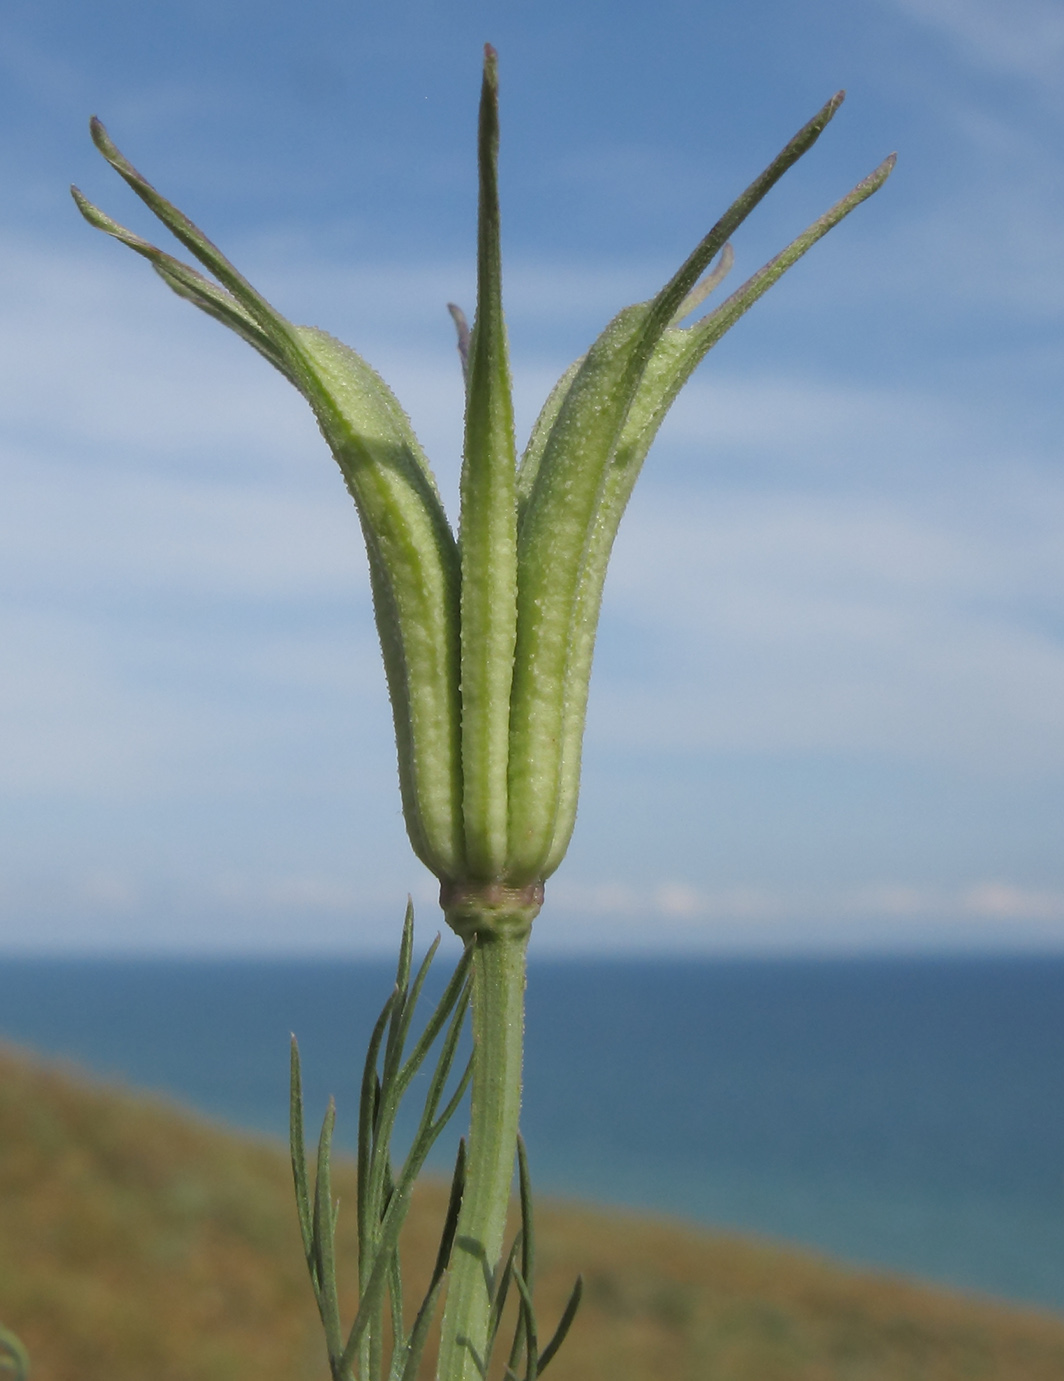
[{"x": 828, "y": 706}]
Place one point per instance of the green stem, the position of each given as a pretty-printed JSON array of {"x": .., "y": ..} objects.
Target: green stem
[{"x": 499, "y": 937}]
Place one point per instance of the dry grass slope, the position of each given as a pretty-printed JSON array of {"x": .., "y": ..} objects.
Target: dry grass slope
[{"x": 137, "y": 1242}]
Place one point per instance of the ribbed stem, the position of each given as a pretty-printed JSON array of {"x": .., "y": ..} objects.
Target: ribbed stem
[{"x": 498, "y": 1034}]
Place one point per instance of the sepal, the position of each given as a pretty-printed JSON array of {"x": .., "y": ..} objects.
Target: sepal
[
  {"x": 576, "y": 477},
  {"x": 413, "y": 554}
]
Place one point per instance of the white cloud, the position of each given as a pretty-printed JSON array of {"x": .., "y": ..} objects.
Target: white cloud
[
  {"x": 812, "y": 419},
  {"x": 1006, "y": 902},
  {"x": 107, "y": 908},
  {"x": 232, "y": 911},
  {"x": 74, "y": 526},
  {"x": 681, "y": 916},
  {"x": 98, "y": 355},
  {"x": 809, "y": 622},
  {"x": 986, "y": 900},
  {"x": 93, "y": 711},
  {"x": 1024, "y": 38}
]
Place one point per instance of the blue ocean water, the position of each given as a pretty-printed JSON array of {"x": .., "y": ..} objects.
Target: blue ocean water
[{"x": 903, "y": 1113}]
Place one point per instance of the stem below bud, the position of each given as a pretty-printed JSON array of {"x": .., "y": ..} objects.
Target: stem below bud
[{"x": 498, "y": 938}]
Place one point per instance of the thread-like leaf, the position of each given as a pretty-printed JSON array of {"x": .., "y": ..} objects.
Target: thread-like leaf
[
  {"x": 298, "y": 1148},
  {"x": 324, "y": 1222},
  {"x": 531, "y": 1339},
  {"x": 383, "y": 1238},
  {"x": 451, "y": 1007},
  {"x": 403, "y": 1072},
  {"x": 528, "y": 1236},
  {"x": 410, "y": 1355},
  {"x": 395, "y": 1304},
  {"x": 406, "y": 1360},
  {"x": 564, "y": 1324},
  {"x": 406, "y": 948},
  {"x": 441, "y": 1073},
  {"x": 454, "y": 1206},
  {"x": 368, "y": 1209},
  {"x": 372, "y": 1291},
  {"x": 402, "y": 1009},
  {"x": 499, "y": 1295}
]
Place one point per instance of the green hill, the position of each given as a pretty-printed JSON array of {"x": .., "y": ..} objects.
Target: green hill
[{"x": 137, "y": 1241}]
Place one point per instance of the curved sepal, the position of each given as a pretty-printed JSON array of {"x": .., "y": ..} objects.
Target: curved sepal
[
  {"x": 412, "y": 552},
  {"x": 564, "y": 509},
  {"x": 488, "y": 528},
  {"x": 676, "y": 355},
  {"x": 415, "y": 578}
]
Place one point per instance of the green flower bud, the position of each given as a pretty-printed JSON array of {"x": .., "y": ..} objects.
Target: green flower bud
[{"x": 488, "y": 638}]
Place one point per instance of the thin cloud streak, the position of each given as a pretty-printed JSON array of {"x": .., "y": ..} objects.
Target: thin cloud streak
[{"x": 1023, "y": 38}]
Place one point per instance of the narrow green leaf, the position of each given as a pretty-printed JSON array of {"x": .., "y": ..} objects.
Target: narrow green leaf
[
  {"x": 298, "y": 1148},
  {"x": 324, "y": 1245},
  {"x": 406, "y": 1360},
  {"x": 373, "y": 1279},
  {"x": 419, "y": 980},
  {"x": 564, "y": 1324},
  {"x": 453, "y": 1004},
  {"x": 372, "y": 1291},
  {"x": 369, "y": 1099},
  {"x": 453, "y": 1102},
  {"x": 390, "y": 1228},
  {"x": 445, "y": 1060},
  {"x": 402, "y": 1008},
  {"x": 410, "y": 1356},
  {"x": 451, "y": 1007},
  {"x": 454, "y": 1206},
  {"x": 395, "y": 1303},
  {"x": 528, "y": 1238},
  {"x": 406, "y": 947},
  {"x": 409, "y": 1008},
  {"x": 369, "y": 1304},
  {"x": 499, "y": 1296},
  {"x": 531, "y": 1339},
  {"x": 488, "y": 528},
  {"x": 520, "y": 1338}
]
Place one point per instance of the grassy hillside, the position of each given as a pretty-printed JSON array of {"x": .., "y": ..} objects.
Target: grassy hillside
[{"x": 138, "y": 1242}]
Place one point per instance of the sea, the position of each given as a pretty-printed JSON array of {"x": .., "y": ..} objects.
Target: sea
[{"x": 903, "y": 1114}]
